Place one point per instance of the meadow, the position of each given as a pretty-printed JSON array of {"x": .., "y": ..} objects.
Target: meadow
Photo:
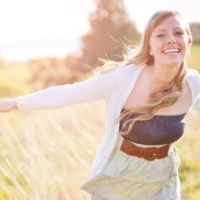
[{"x": 47, "y": 154}]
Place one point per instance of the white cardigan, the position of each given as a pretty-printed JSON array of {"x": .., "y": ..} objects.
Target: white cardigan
[{"x": 114, "y": 86}]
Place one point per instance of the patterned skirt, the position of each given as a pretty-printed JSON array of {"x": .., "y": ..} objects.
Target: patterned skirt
[{"x": 126, "y": 177}]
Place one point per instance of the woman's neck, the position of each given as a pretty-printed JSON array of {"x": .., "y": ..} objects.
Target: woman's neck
[{"x": 162, "y": 75}]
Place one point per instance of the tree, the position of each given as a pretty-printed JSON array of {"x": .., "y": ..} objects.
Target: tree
[{"x": 110, "y": 28}]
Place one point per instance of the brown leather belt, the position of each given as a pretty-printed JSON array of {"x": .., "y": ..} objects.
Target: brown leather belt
[{"x": 149, "y": 153}]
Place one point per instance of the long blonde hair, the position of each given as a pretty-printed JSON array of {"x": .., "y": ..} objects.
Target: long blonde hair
[{"x": 163, "y": 97}]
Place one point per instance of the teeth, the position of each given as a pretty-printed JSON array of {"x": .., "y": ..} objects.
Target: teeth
[{"x": 171, "y": 51}]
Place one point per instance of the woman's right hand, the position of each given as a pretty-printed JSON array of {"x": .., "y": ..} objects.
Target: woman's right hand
[{"x": 7, "y": 105}]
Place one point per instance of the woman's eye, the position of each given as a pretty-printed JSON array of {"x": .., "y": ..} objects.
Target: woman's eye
[
  {"x": 179, "y": 33},
  {"x": 160, "y": 35}
]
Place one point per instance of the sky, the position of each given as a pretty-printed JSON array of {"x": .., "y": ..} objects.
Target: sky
[{"x": 40, "y": 28}]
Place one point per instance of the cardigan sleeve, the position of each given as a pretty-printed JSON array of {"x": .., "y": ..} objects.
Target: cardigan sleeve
[
  {"x": 194, "y": 80},
  {"x": 94, "y": 88}
]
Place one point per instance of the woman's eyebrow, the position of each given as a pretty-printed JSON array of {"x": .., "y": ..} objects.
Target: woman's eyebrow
[{"x": 163, "y": 29}]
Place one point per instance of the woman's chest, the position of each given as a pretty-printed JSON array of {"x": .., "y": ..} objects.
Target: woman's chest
[{"x": 140, "y": 95}]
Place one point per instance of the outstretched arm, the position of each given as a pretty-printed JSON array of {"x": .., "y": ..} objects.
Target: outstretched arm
[{"x": 94, "y": 88}]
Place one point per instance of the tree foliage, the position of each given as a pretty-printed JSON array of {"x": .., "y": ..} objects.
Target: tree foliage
[{"x": 110, "y": 28}]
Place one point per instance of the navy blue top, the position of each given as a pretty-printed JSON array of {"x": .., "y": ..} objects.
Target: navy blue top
[{"x": 161, "y": 129}]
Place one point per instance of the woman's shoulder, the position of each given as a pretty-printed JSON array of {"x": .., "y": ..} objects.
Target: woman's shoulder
[
  {"x": 192, "y": 72},
  {"x": 193, "y": 77},
  {"x": 125, "y": 68},
  {"x": 130, "y": 68}
]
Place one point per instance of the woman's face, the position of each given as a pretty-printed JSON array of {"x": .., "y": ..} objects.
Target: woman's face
[{"x": 169, "y": 42}]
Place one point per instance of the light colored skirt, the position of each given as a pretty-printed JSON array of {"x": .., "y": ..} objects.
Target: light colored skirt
[{"x": 126, "y": 177}]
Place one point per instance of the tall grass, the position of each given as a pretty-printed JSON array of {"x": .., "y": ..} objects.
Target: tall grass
[{"x": 46, "y": 155}]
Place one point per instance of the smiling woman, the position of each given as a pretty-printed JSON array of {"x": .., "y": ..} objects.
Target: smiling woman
[{"x": 147, "y": 98}]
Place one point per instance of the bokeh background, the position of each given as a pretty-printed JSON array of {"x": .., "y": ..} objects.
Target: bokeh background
[{"x": 47, "y": 154}]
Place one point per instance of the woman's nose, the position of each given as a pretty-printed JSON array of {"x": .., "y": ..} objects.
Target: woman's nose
[{"x": 171, "y": 38}]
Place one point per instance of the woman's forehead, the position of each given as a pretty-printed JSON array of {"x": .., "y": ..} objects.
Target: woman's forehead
[{"x": 172, "y": 22}]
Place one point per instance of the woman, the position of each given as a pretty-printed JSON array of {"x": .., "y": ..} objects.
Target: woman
[{"x": 146, "y": 102}]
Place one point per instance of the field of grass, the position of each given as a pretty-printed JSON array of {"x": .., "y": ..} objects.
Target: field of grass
[{"x": 46, "y": 155}]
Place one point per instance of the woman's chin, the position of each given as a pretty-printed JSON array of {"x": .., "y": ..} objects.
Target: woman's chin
[{"x": 171, "y": 62}]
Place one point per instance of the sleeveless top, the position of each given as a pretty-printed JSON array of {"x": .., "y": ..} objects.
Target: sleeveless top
[{"x": 161, "y": 129}]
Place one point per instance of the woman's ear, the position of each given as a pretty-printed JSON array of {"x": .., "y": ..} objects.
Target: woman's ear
[
  {"x": 189, "y": 41},
  {"x": 189, "y": 46}
]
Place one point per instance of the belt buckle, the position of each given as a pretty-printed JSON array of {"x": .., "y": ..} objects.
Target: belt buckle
[{"x": 152, "y": 153}]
